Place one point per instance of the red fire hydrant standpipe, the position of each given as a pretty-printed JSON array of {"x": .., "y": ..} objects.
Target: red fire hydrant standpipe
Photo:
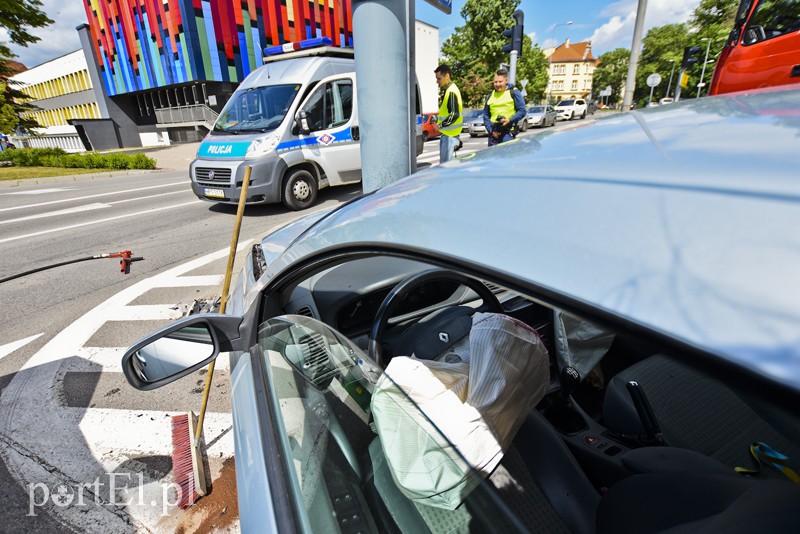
[{"x": 126, "y": 258}]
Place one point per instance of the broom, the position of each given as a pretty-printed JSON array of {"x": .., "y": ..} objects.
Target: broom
[{"x": 187, "y": 429}]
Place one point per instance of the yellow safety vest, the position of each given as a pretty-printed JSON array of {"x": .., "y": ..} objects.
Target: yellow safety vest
[
  {"x": 501, "y": 104},
  {"x": 454, "y": 129}
]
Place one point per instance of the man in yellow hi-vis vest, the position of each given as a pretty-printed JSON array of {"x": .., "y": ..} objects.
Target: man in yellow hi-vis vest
[
  {"x": 504, "y": 108},
  {"x": 450, "y": 113}
]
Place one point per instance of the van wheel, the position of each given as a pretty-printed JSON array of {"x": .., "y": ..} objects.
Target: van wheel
[{"x": 299, "y": 190}]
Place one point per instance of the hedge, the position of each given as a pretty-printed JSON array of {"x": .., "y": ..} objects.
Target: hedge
[{"x": 55, "y": 157}]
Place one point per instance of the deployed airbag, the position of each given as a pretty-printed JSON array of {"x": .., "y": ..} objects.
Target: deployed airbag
[{"x": 444, "y": 426}]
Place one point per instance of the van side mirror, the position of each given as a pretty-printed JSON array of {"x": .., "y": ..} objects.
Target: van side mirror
[{"x": 301, "y": 122}]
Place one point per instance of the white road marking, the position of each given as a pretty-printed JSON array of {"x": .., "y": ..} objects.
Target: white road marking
[
  {"x": 149, "y": 312},
  {"x": 109, "y": 360},
  {"x": 68, "y": 211},
  {"x": 38, "y": 191},
  {"x": 8, "y": 348},
  {"x": 76, "y": 446},
  {"x": 89, "y": 223},
  {"x": 183, "y": 182}
]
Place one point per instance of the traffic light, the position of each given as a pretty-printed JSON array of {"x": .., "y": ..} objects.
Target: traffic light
[
  {"x": 689, "y": 56},
  {"x": 515, "y": 34}
]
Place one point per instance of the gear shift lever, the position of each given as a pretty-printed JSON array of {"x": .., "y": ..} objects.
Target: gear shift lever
[{"x": 569, "y": 379}]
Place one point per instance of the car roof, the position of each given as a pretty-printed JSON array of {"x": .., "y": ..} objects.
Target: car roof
[{"x": 683, "y": 219}]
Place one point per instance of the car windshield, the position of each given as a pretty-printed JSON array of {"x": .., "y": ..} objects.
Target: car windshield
[
  {"x": 473, "y": 115},
  {"x": 536, "y": 109},
  {"x": 565, "y": 103},
  {"x": 257, "y": 109},
  {"x": 325, "y": 391}
]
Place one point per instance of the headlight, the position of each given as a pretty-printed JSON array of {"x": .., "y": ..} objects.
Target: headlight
[{"x": 261, "y": 146}]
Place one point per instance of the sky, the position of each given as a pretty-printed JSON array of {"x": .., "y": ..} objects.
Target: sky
[{"x": 608, "y": 24}]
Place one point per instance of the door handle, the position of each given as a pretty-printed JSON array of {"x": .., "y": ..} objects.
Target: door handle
[
  {"x": 795, "y": 72},
  {"x": 354, "y": 133}
]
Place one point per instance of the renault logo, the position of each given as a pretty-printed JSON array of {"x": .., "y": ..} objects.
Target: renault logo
[{"x": 443, "y": 337}]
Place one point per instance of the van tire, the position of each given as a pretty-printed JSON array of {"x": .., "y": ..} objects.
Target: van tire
[{"x": 299, "y": 190}]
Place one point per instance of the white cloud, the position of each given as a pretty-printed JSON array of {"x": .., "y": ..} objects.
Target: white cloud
[
  {"x": 617, "y": 31},
  {"x": 532, "y": 35},
  {"x": 57, "y": 39}
]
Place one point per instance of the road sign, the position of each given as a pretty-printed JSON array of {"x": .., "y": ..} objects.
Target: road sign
[
  {"x": 653, "y": 80},
  {"x": 605, "y": 92},
  {"x": 445, "y": 6}
]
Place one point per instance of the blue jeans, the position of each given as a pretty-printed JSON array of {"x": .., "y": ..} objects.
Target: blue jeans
[
  {"x": 508, "y": 136},
  {"x": 447, "y": 147}
]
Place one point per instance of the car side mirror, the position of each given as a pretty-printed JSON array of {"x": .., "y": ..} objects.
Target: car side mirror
[
  {"x": 753, "y": 34},
  {"x": 301, "y": 122},
  {"x": 180, "y": 348}
]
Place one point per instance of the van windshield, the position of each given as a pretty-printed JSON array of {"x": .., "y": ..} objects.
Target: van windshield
[{"x": 257, "y": 109}]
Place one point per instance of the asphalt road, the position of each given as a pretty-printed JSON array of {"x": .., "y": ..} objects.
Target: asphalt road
[{"x": 70, "y": 426}]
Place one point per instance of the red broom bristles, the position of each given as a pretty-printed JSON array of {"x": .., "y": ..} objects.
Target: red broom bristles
[{"x": 182, "y": 469}]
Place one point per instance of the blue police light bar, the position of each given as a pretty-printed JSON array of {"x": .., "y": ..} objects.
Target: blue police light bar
[{"x": 301, "y": 45}]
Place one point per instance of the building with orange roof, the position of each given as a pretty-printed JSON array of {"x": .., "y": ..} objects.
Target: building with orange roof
[{"x": 571, "y": 69}]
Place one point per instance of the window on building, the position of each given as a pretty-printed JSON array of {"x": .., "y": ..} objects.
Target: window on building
[
  {"x": 576, "y": 69},
  {"x": 574, "y": 85}
]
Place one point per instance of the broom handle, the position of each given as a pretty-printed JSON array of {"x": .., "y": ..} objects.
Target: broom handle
[{"x": 226, "y": 285}]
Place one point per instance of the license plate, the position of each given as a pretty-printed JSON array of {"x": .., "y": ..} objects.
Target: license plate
[{"x": 213, "y": 193}]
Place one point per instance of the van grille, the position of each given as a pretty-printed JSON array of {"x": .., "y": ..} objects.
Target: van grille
[{"x": 207, "y": 175}]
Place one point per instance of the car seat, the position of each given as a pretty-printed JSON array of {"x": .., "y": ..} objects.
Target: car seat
[{"x": 694, "y": 411}]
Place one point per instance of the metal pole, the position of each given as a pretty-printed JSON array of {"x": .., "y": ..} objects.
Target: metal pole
[
  {"x": 649, "y": 100},
  {"x": 636, "y": 44},
  {"x": 669, "y": 85},
  {"x": 703, "y": 72},
  {"x": 382, "y": 90},
  {"x": 512, "y": 71}
]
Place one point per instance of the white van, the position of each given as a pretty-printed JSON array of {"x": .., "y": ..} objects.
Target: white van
[{"x": 294, "y": 120}]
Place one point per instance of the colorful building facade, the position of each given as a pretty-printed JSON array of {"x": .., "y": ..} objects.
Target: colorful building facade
[{"x": 147, "y": 44}]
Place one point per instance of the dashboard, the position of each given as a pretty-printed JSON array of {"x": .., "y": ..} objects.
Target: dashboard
[{"x": 348, "y": 296}]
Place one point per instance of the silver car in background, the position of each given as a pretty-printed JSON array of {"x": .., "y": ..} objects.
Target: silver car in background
[
  {"x": 473, "y": 123},
  {"x": 541, "y": 116}
]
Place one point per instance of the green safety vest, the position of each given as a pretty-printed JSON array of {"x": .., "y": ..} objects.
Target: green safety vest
[
  {"x": 454, "y": 129},
  {"x": 501, "y": 104}
]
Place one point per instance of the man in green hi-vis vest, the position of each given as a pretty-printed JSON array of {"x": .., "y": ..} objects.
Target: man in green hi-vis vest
[
  {"x": 450, "y": 113},
  {"x": 504, "y": 107}
]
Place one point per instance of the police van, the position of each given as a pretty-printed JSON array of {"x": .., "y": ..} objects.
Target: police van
[{"x": 294, "y": 121}]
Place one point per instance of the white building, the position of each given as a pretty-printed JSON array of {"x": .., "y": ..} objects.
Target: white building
[{"x": 426, "y": 46}]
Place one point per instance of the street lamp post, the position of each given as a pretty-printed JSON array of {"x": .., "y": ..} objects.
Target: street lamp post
[
  {"x": 703, "y": 72},
  {"x": 669, "y": 85},
  {"x": 550, "y": 92}
]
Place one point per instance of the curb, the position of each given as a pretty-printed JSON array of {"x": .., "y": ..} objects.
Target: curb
[{"x": 76, "y": 177}]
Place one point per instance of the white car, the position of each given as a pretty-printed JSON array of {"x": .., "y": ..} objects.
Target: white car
[{"x": 569, "y": 109}]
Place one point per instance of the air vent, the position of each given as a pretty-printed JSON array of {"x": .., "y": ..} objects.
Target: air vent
[
  {"x": 494, "y": 288},
  {"x": 305, "y": 311},
  {"x": 317, "y": 365}
]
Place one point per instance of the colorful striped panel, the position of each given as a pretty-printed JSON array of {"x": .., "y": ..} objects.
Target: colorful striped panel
[{"x": 143, "y": 44}]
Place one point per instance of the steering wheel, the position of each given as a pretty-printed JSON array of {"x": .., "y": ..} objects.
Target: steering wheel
[{"x": 434, "y": 326}]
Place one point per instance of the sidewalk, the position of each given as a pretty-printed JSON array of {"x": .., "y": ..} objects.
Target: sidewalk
[{"x": 175, "y": 157}]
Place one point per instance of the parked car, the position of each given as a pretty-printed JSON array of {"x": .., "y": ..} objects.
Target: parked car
[
  {"x": 762, "y": 50},
  {"x": 637, "y": 323},
  {"x": 540, "y": 116},
  {"x": 571, "y": 108},
  {"x": 473, "y": 123},
  {"x": 429, "y": 131}
]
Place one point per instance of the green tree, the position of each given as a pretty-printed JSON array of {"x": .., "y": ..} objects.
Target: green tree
[
  {"x": 19, "y": 18},
  {"x": 475, "y": 51},
  {"x": 612, "y": 70},
  {"x": 662, "y": 48}
]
